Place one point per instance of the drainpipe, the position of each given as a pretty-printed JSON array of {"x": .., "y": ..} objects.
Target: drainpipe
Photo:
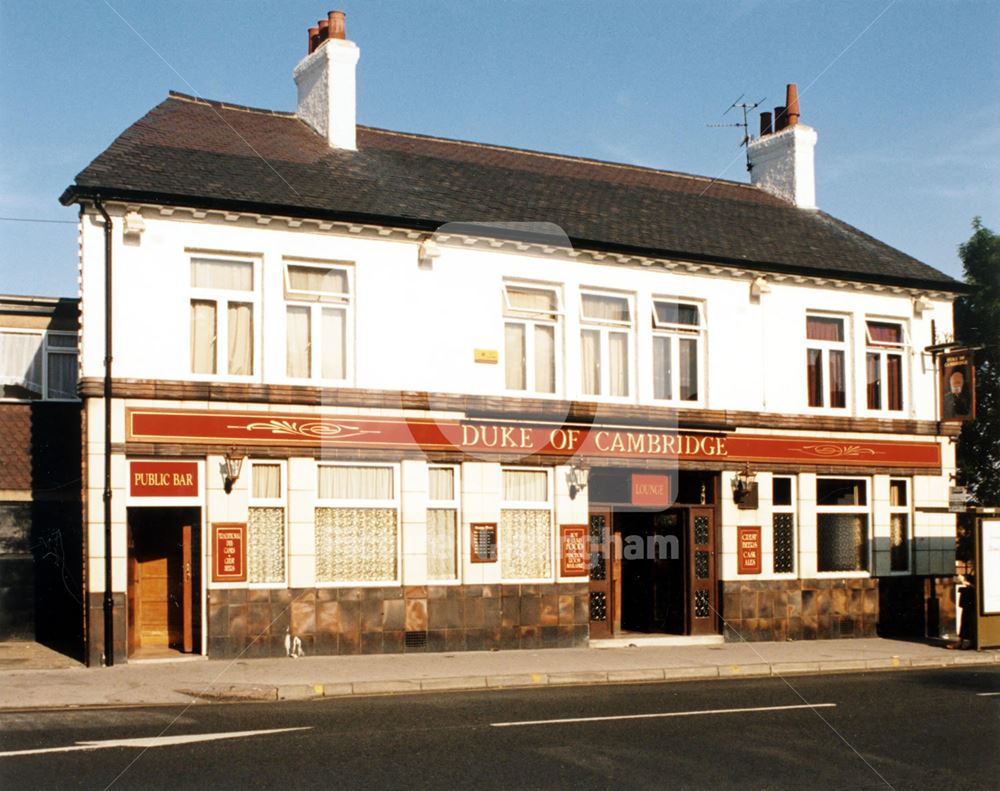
[{"x": 109, "y": 603}]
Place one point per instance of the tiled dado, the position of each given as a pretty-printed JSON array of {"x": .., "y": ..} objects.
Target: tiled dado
[
  {"x": 253, "y": 623},
  {"x": 800, "y": 609}
]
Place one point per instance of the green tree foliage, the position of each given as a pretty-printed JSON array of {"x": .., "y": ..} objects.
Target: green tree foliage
[{"x": 977, "y": 323}]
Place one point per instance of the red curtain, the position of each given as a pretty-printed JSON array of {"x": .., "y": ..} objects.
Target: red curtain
[{"x": 822, "y": 328}]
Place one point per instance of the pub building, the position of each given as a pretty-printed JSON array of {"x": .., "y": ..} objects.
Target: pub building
[{"x": 386, "y": 392}]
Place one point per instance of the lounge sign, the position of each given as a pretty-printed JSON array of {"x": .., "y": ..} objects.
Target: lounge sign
[
  {"x": 163, "y": 478},
  {"x": 523, "y": 439}
]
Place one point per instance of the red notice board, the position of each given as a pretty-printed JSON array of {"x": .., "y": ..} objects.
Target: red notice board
[
  {"x": 229, "y": 552},
  {"x": 748, "y": 550},
  {"x": 574, "y": 560}
]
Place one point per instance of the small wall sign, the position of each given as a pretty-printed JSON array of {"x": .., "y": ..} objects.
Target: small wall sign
[
  {"x": 651, "y": 490},
  {"x": 484, "y": 542},
  {"x": 487, "y": 356},
  {"x": 748, "y": 550},
  {"x": 574, "y": 560},
  {"x": 229, "y": 552},
  {"x": 163, "y": 478}
]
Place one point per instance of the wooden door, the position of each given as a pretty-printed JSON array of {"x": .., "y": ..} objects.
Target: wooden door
[
  {"x": 601, "y": 578},
  {"x": 703, "y": 611},
  {"x": 152, "y": 587},
  {"x": 132, "y": 612},
  {"x": 187, "y": 596}
]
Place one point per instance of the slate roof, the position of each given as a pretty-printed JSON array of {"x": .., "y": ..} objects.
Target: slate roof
[{"x": 193, "y": 152}]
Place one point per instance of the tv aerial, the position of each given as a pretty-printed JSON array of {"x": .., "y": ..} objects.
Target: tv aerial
[{"x": 747, "y": 108}]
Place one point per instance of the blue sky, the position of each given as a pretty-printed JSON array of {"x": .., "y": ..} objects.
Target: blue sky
[{"x": 904, "y": 95}]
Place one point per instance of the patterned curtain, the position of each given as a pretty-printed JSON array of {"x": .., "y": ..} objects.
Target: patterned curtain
[
  {"x": 266, "y": 545},
  {"x": 525, "y": 544},
  {"x": 441, "y": 544},
  {"x": 355, "y": 544}
]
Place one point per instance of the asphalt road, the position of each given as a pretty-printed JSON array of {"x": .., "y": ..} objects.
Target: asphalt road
[{"x": 934, "y": 729}]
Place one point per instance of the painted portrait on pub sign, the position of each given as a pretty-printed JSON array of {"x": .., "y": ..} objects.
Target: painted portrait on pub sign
[{"x": 958, "y": 386}]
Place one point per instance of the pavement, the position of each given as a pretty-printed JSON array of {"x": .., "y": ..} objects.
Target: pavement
[{"x": 35, "y": 678}]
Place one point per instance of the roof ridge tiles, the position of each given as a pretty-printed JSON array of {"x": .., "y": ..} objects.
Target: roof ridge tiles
[{"x": 186, "y": 97}]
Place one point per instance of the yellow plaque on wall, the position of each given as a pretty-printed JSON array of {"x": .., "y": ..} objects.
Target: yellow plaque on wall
[{"x": 488, "y": 356}]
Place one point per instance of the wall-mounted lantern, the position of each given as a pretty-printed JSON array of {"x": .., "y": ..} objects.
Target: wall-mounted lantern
[
  {"x": 233, "y": 464},
  {"x": 743, "y": 485},
  {"x": 577, "y": 478}
]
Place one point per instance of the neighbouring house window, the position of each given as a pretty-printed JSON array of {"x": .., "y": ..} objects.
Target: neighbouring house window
[
  {"x": 826, "y": 367},
  {"x": 899, "y": 525},
  {"x": 442, "y": 524},
  {"x": 525, "y": 525},
  {"x": 842, "y": 524},
  {"x": 783, "y": 524},
  {"x": 266, "y": 525},
  {"x": 317, "y": 313},
  {"x": 884, "y": 365},
  {"x": 222, "y": 308},
  {"x": 357, "y": 524},
  {"x": 677, "y": 342},
  {"x": 38, "y": 365},
  {"x": 531, "y": 334},
  {"x": 605, "y": 337}
]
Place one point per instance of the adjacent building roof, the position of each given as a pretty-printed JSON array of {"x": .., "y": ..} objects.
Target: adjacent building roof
[{"x": 198, "y": 153}]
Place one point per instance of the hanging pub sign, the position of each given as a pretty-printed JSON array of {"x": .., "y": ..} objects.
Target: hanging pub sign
[
  {"x": 573, "y": 558},
  {"x": 163, "y": 478},
  {"x": 229, "y": 552},
  {"x": 748, "y": 545},
  {"x": 958, "y": 386}
]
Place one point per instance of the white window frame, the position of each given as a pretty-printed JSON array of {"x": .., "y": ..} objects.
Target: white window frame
[
  {"x": 530, "y": 505},
  {"x": 529, "y": 319},
  {"x": 222, "y": 298},
  {"x": 317, "y": 302},
  {"x": 793, "y": 510},
  {"x": 863, "y": 510},
  {"x": 605, "y": 328},
  {"x": 825, "y": 347},
  {"x": 394, "y": 503},
  {"x": 454, "y": 504},
  {"x": 883, "y": 350},
  {"x": 675, "y": 332},
  {"x": 907, "y": 511},
  {"x": 47, "y": 349},
  {"x": 271, "y": 502}
]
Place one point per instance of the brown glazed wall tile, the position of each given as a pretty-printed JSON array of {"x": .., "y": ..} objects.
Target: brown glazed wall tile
[
  {"x": 349, "y": 594},
  {"x": 257, "y": 594},
  {"x": 839, "y": 601},
  {"x": 393, "y": 641},
  {"x": 394, "y": 615},
  {"x": 492, "y": 612},
  {"x": 416, "y": 615},
  {"x": 371, "y": 642},
  {"x": 303, "y": 617},
  {"x": 454, "y": 639},
  {"x": 327, "y": 617},
  {"x": 531, "y": 610},
  {"x": 238, "y": 627},
  {"x": 349, "y": 613},
  {"x": 415, "y": 592},
  {"x": 437, "y": 591},
  {"x": 326, "y": 644},
  {"x": 510, "y": 611},
  {"x": 349, "y": 643},
  {"x": 530, "y": 636},
  {"x": 475, "y": 640},
  {"x": 548, "y": 612},
  {"x": 566, "y": 607},
  {"x": 371, "y": 615},
  {"x": 492, "y": 591},
  {"x": 474, "y": 614}
]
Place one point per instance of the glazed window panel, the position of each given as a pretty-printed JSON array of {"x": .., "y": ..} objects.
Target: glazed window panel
[
  {"x": 266, "y": 545},
  {"x": 203, "y": 336},
  {"x": 441, "y": 483},
  {"x": 355, "y": 483},
  {"x": 842, "y": 542},
  {"x": 442, "y": 542},
  {"x": 899, "y": 526},
  {"x": 884, "y": 365},
  {"x": 605, "y": 348},
  {"x": 240, "y": 337},
  {"x": 21, "y": 364},
  {"x": 356, "y": 544},
  {"x": 530, "y": 332},
  {"x": 525, "y": 544},
  {"x": 317, "y": 326},
  {"x": 530, "y": 486},
  {"x": 826, "y": 362},
  {"x": 222, "y": 316}
]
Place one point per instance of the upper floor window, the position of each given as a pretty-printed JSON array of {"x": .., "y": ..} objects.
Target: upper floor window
[
  {"x": 318, "y": 302},
  {"x": 222, "y": 308},
  {"x": 826, "y": 355},
  {"x": 531, "y": 325},
  {"x": 605, "y": 335},
  {"x": 884, "y": 364},
  {"x": 677, "y": 341},
  {"x": 38, "y": 365}
]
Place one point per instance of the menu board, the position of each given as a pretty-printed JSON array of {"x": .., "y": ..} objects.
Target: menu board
[
  {"x": 574, "y": 560},
  {"x": 748, "y": 557},
  {"x": 229, "y": 552},
  {"x": 484, "y": 542}
]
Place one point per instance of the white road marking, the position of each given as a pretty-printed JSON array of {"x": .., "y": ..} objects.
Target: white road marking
[
  {"x": 658, "y": 715},
  {"x": 152, "y": 741},
  {"x": 986, "y": 694}
]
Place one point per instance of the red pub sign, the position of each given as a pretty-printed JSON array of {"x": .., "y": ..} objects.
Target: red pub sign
[
  {"x": 650, "y": 490},
  {"x": 163, "y": 478},
  {"x": 574, "y": 560},
  {"x": 526, "y": 439},
  {"x": 229, "y": 552},
  {"x": 748, "y": 549}
]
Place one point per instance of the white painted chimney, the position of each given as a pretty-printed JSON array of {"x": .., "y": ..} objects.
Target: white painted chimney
[
  {"x": 782, "y": 159},
  {"x": 325, "y": 80}
]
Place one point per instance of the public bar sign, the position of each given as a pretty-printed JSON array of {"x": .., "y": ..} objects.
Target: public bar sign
[
  {"x": 650, "y": 490},
  {"x": 229, "y": 552},
  {"x": 474, "y": 437},
  {"x": 573, "y": 558},
  {"x": 163, "y": 478},
  {"x": 748, "y": 550}
]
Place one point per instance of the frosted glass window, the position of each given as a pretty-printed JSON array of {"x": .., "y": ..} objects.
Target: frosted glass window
[
  {"x": 442, "y": 555},
  {"x": 333, "y": 343},
  {"x": 266, "y": 544},
  {"x": 525, "y": 544},
  {"x": 240, "y": 338},
  {"x": 606, "y": 308},
  {"x": 266, "y": 481},
  {"x": 298, "y": 341},
  {"x": 317, "y": 279},
  {"x": 529, "y": 486},
  {"x": 203, "y": 336},
  {"x": 356, "y": 544},
  {"x": 222, "y": 275},
  {"x": 355, "y": 483},
  {"x": 441, "y": 483}
]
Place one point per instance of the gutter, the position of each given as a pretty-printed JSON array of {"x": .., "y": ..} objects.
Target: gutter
[{"x": 109, "y": 604}]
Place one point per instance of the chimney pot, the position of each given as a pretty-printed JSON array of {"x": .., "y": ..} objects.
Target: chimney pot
[
  {"x": 765, "y": 124},
  {"x": 313, "y": 39},
  {"x": 780, "y": 118},
  {"x": 324, "y": 32},
  {"x": 338, "y": 24},
  {"x": 792, "y": 103}
]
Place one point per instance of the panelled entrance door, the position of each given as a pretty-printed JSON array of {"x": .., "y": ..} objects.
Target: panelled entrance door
[
  {"x": 703, "y": 608},
  {"x": 601, "y": 591},
  {"x": 163, "y": 581}
]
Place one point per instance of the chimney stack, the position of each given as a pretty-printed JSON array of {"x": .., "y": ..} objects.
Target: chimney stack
[
  {"x": 782, "y": 159},
  {"x": 326, "y": 82}
]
